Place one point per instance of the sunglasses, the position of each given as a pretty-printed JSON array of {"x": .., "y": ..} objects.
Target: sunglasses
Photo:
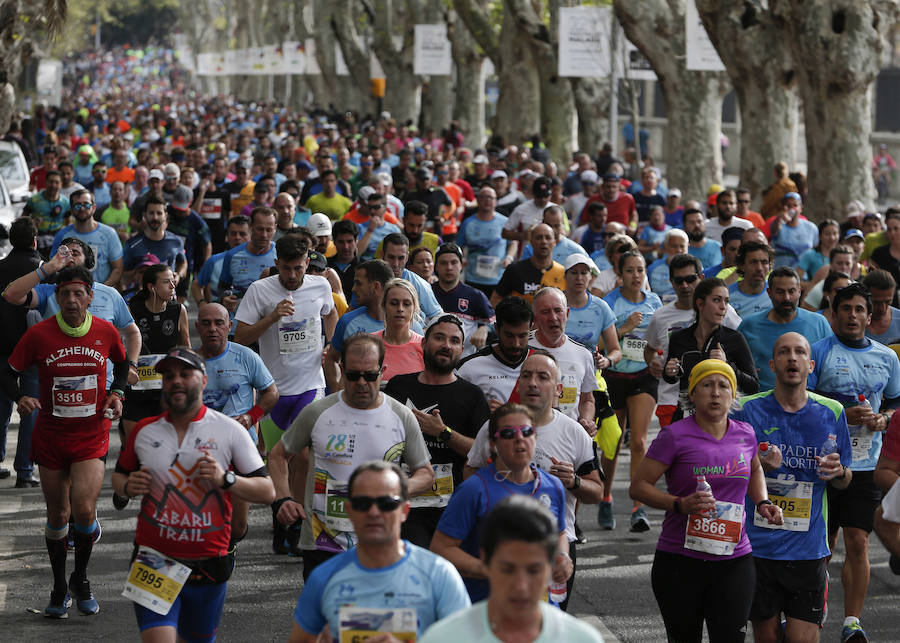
[
  {"x": 81, "y": 206},
  {"x": 687, "y": 279},
  {"x": 743, "y": 200},
  {"x": 510, "y": 432},
  {"x": 384, "y": 503},
  {"x": 376, "y": 206},
  {"x": 369, "y": 376}
]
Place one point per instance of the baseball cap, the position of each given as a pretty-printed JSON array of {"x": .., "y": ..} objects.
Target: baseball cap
[
  {"x": 259, "y": 186},
  {"x": 481, "y": 158},
  {"x": 303, "y": 164},
  {"x": 365, "y": 192},
  {"x": 423, "y": 174},
  {"x": 182, "y": 198},
  {"x": 498, "y": 174},
  {"x": 541, "y": 186},
  {"x": 245, "y": 164},
  {"x": 184, "y": 355},
  {"x": 317, "y": 260},
  {"x": 156, "y": 174},
  {"x": 854, "y": 232},
  {"x": 450, "y": 248},
  {"x": 589, "y": 176},
  {"x": 578, "y": 259},
  {"x": 171, "y": 171},
  {"x": 319, "y": 224},
  {"x": 148, "y": 260},
  {"x": 674, "y": 192}
]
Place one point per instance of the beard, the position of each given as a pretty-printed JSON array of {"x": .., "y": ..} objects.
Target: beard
[
  {"x": 433, "y": 365},
  {"x": 695, "y": 237},
  {"x": 192, "y": 396}
]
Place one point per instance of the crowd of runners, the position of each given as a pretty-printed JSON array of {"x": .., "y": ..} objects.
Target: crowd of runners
[{"x": 425, "y": 354}]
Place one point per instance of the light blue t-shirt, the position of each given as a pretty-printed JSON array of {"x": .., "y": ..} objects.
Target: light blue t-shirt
[
  {"x": 483, "y": 238},
  {"x": 586, "y": 324},
  {"x": 240, "y": 267},
  {"x": 651, "y": 235},
  {"x": 419, "y": 580},
  {"x": 103, "y": 240},
  {"x": 658, "y": 276},
  {"x": 353, "y": 322},
  {"x": 810, "y": 262},
  {"x": 892, "y": 334},
  {"x": 622, "y": 308},
  {"x": 790, "y": 243},
  {"x": 599, "y": 258},
  {"x": 794, "y": 486},
  {"x": 747, "y": 305},
  {"x": 842, "y": 373},
  {"x": 378, "y": 234},
  {"x": 233, "y": 376},
  {"x": 427, "y": 301},
  {"x": 561, "y": 250},
  {"x": 761, "y": 333},
  {"x": 210, "y": 272},
  {"x": 709, "y": 254}
]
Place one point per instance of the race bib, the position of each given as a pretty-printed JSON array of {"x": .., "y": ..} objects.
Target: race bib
[
  {"x": 211, "y": 208},
  {"x": 487, "y": 266},
  {"x": 795, "y": 499},
  {"x": 155, "y": 581},
  {"x": 441, "y": 488},
  {"x": 300, "y": 336},
  {"x": 633, "y": 348},
  {"x": 717, "y": 535},
  {"x": 356, "y": 624},
  {"x": 75, "y": 397},
  {"x": 861, "y": 445},
  {"x": 336, "y": 506},
  {"x": 148, "y": 378},
  {"x": 569, "y": 396}
]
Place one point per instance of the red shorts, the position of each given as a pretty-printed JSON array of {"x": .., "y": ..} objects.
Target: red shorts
[
  {"x": 58, "y": 451},
  {"x": 665, "y": 412}
]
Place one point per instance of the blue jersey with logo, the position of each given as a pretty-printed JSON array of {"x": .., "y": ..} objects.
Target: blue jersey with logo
[
  {"x": 483, "y": 238},
  {"x": 658, "y": 276},
  {"x": 420, "y": 580},
  {"x": 103, "y": 240},
  {"x": 790, "y": 243},
  {"x": 240, "y": 267},
  {"x": 586, "y": 324},
  {"x": 746, "y": 305},
  {"x": 210, "y": 272},
  {"x": 622, "y": 308},
  {"x": 233, "y": 376},
  {"x": 169, "y": 250},
  {"x": 842, "y": 373},
  {"x": 794, "y": 486},
  {"x": 709, "y": 254}
]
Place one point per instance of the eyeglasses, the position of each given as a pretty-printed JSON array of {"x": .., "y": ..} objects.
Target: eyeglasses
[
  {"x": 81, "y": 206},
  {"x": 509, "y": 432},
  {"x": 376, "y": 206},
  {"x": 366, "y": 164},
  {"x": 384, "y": 503},
  {"x": 743, "y": 200},
  {"x": 369, "y": 376},
  {"x": 687, "y": 279}
]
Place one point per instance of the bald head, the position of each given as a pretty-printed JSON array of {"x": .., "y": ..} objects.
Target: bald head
[
  {"x": 791, "y": 363},
  {"x": 791, "y": 339},
  {"x": 213, "y": 325}
]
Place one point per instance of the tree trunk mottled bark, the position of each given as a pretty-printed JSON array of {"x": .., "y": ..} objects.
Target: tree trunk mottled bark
[
  {"x": 693, "y": 98},
  {"x": 755, "y": 53},
  {"x": 437, "y": 103},
  {"x": 341, "y": 16},
  {"x": 839, "y": 48},
  {"x": 7, "y": 105},
  {"x": 468, "y": 95},
  {"x": 403, "y": 91},
  {"x": 592, "y": 104}
]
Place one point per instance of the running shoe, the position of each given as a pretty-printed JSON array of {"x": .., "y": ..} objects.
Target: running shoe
[
  {"x": 120, "y": 502},
  {"x": 854, "y": 634},
  {"x": 639, "y": 520},
  {"x": 84, "y": 599},
  {"x": 894, "y": 564},
  {"x": 579, "y": 535},
  {"x": 59, "y": 605},
  {"x": 605, "y": 517}
]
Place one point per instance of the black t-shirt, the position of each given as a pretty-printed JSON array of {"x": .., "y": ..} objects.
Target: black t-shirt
[
  {"x": 215, "y": 209},
  {"x": 462, "y": 405},
  {"x": 644, "y": 203},
  {"x": 435, "y": 198},
  {"x": 16, "y": 264},
  {"x": 885, "y": 260},
  {"x": 346, "y": 272}
]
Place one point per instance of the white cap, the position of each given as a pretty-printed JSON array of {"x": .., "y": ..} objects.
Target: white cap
[
  {"x": 156, "y": 174},
  {"x": 589, "y": 176},
  {"x": 481, "y": 158},
  {"x": 319, "y": 224},
  {"x": 172, "y": 171},
  {"x": 498, "y": 174},
  {"x": 674, "y": 192},
  {"x": 364, "y": 193},
  {"x": 578, "y": 258}
]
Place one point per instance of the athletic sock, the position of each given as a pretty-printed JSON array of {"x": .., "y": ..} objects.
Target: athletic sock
[
  {"x": 607, "y": 498},
  {"x": 851, "y": 620},
  {"x": 84, "y": 545},
  {"x": 56, "y": 550}
]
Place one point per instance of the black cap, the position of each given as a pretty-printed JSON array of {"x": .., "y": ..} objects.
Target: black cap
[
  {"x": 450, "y": 248},
  {"x": 184, "y": 355},
  {"x": 317, "y": 260},
  {"x": 423, "y": 174},
  {"x": 541, "y": 187}
]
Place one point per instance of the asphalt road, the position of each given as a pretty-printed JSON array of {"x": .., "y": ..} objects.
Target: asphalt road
[{"x": 612, "y": 588}]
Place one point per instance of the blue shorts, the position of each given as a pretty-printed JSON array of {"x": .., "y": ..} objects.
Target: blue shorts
[
  {"x": 195, "y": 614},
  {"x": 288, "y": 407}
]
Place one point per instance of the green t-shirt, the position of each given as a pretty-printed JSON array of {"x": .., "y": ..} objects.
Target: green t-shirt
[
  {"x": 117, "y": 219},
  {"x": 335, "y": 207}
]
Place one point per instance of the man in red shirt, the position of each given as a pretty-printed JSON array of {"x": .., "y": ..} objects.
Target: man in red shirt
[
  {"x": 620, "y": 206},
  {"x": 71, "y": 435},
  {"x": 38, "y": 179}
]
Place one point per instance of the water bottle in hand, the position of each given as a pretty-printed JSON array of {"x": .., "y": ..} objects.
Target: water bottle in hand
[
  {"x": 65, "y": 254},
  {"x": 703, "y": 486},
  {"x": 558, "y": 592},
  {"x": 863, "y": 402},
  {"x": 765, "y": 451},
  {"x": 828, "y": 447},
  {"x": 660, "y": 359}
]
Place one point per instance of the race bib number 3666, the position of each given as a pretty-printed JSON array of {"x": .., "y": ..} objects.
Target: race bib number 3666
[{"x": 716, "y": 535}]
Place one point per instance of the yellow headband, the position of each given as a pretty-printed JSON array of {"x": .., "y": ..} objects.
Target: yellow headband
[{"x": 709, "y": 367}]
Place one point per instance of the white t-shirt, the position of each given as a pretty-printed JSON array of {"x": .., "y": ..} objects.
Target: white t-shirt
[
  {"x": 495, "y": 378},
  {"x": 563, "y": 438},
  {"x": 292, "y": 347},
  {"x": 666, "y": 321},
  {"x": 605, "y": 282},
  {"x": 341, "y": 438},
  {"x": 473, "y": 626},
  {"x": 714, "y": 228},
  {"x": 525, "y": 216},
  {"x": 576, "y": 365}
]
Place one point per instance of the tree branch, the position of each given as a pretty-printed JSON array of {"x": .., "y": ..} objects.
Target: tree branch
[{"x": 475, "y": 15}]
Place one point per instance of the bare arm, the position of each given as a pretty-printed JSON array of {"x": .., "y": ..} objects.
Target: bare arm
[
  {"x": 184, "y": 332},
  {"x": 115, "y": 273},
  {"x": 132, "y": 335},
  {"x": 886, "y": 472},
  {"x": 278, "y": 463},
  {"x": 449, "y": 548},
  {"x": 17, "y": 292},
  {"x": 332, "y": 369},
  {"x": 421, "y": 480}
]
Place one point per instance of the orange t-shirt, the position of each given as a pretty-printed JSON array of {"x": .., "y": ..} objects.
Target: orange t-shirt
[
  {"x": 353, "y": 214},
  {"x": 450, "y": 225},
  {"x": 125, "y": 175}
]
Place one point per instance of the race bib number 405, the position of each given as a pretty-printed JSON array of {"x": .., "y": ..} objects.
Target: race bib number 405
[
  {"x": 795, "y": 499},
  {"x": 75, "y": 397},
  {"x": 155, "y": 581}
]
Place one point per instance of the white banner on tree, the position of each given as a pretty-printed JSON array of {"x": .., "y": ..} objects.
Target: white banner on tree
[
  {"x": 340, "y": 65},
  {"x": 637, "y": 67},
  {"x": 274, "y": 59},
  {"x": 294, "y": 57},
  {"x": 257, "y": 61},
  {"x": 700, "y": 53},
  {"x": 431, "y": 51},
  {"x": 312, "y": 65},
  {"x": 584, "y": 41},
  {"x": 205, "y": 64},
  {"x": 232, "y": 64}
]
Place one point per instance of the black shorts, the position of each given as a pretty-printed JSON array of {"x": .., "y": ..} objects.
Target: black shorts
[
  {"x": 795, "y": 587},
  {"x": 854, "y": 506},
  {"x": 136, "y": 408},
  {"x": 183, "y": 287},
  {"x": 621, "y": 386},
  {"x": 312, "y": 558}
]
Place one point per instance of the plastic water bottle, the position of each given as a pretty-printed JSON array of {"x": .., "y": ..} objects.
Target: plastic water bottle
[
  {"x": 764, "y": 451},
  {"x": 558, "y": 592},
  {"x": 863, "y": 402},
  {"x": 660, "y": 359},
  {"x": 828, "y": 447},
  {"x": 703, "y": 486}
]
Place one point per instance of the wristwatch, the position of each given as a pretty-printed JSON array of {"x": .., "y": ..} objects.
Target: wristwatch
[
  {"x": 229, "y": 479},
  {"x": 444, "y": 436},
  {"x": 575, "y": 484}
]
